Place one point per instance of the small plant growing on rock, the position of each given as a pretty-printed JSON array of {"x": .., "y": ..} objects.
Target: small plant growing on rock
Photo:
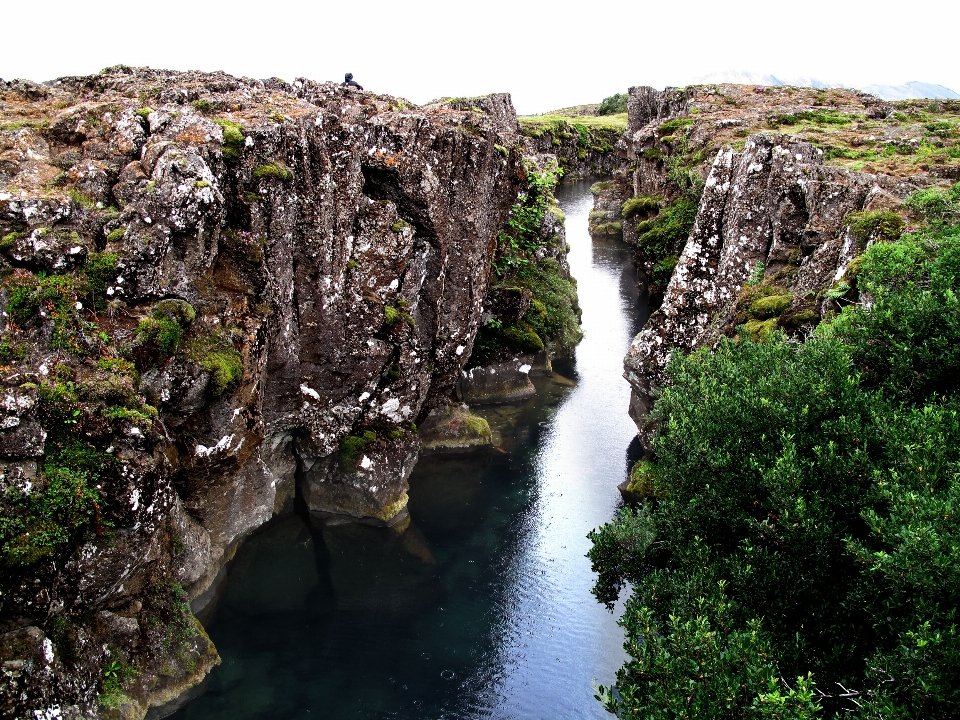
[
  {"x": 160, "y": 334},
  {"x": 276, "y": 170},
  {"x": 233, "y": 140},
  {"x": 217, "y": 355},
  {"x": 352, "y": 445},
  {"x": 881, "y": 225}
]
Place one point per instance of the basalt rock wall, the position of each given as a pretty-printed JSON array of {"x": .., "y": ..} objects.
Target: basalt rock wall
[
  {"x": 217, "y": 288},
  {"x": 771, "y": 222}
]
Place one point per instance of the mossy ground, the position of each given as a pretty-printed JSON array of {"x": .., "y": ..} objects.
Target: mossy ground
[{"x": 919, "y": 136}]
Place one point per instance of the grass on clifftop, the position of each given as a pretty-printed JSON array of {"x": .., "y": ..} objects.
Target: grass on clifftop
[{"x": 537, "y": 125}]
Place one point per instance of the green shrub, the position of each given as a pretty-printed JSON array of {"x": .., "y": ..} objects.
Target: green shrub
[
  {"x": 645, "y": 480},
  {"x": 614, "y": 104},
  {"x": 909, "y": 340},
  {"x": 275, "y": 170},
  {"x": 661, "y": 272},
  {"x": 808, "y": 528},
  {"x": 666, "y": 234},
  {"x": 935, "y": 204}
]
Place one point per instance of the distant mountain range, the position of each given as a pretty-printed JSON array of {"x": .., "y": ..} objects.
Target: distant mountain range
[{"x": 907, "y": 91}]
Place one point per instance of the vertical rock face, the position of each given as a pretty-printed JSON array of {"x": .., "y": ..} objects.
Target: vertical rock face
[
  {"x": 772, "y": 213},
  {"x": 296, "y": 271}
]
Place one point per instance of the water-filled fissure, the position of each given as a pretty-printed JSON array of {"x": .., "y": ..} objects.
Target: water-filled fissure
[{"x": 480, "y": 605}]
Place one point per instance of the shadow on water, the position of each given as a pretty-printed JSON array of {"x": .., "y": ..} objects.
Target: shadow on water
[{"x": 480, "y": 606}]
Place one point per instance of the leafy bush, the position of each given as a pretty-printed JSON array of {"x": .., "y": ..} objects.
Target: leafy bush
[
  {"x": 935, "y": 204},
  {"x": 521, "y": 237},
  {"x": 808, "y": 523},
  {"x": 666, "y": 234},
  {"x": 614, "y": 104}
]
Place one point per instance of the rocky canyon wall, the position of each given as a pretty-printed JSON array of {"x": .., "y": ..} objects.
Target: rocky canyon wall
[
  {"x": 220, "y": 292},
  {"x": 769, "y": 182}
]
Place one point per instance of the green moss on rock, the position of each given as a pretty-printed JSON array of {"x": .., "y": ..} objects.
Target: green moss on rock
[
  {"x": 233, "y": 140},
  {"x": 770, "y": 306},
  {"x": 275, "y": 170},
  {"x": 761, "y": 330},
  {"x": 641, "y": 203}
]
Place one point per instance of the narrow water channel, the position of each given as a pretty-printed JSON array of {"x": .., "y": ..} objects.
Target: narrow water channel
[{"x": 481, "y": 607}]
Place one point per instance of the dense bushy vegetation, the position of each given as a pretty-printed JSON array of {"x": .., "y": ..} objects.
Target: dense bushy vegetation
[
  {"x": 614, "y": 104},
  {"x": 800, "y": 556}
]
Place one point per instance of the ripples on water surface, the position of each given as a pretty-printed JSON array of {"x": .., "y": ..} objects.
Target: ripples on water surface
[{"x": 481, "y": 607}]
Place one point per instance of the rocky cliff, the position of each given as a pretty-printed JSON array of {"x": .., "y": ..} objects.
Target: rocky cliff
[
  {"x": 221, "y": 294},
  {"x": 749, "y": 206},
  {"x": 583, "y": 145}
]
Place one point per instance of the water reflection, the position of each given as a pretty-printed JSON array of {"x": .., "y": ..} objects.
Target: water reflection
[{"x": 480, "y": 606}]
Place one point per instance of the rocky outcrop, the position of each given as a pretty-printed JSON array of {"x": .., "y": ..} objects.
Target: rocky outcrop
[
  {"x": 771, "y": 226},
  {"x": 584, "y": 148},
  {"x": 252, "y": 289}
]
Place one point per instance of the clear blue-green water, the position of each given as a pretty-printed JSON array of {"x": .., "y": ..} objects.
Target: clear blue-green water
[{"x": 481, "y": 607}]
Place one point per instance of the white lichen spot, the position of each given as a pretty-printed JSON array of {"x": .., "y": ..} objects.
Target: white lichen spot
[
  {"x": 223, "y": 444},
  {"x": 525, "y": 369},
  {"x": 460, "y": 349},
  {"x": 48, "y": 655},
  {"x": 309, "y": 391},
  {"x": 366, "y": 463}
]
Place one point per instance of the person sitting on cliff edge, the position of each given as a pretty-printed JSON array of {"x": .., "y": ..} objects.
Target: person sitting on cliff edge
[{"x": 348, "y": 81}]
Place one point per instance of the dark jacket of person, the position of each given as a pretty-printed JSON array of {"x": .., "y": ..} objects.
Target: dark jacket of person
[{"x": 348, "y": 81}]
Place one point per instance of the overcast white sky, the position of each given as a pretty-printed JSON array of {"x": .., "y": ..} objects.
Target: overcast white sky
[{"x": 548, "y": 55}]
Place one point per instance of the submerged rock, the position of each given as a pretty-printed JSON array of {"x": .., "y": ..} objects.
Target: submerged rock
[{"x": 453, "y": 428}]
